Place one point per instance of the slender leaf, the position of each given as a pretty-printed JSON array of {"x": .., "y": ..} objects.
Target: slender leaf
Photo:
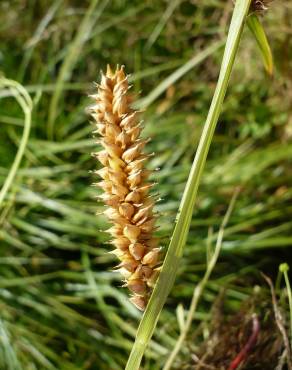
[
  {"x": 258, "y": 31},
  {"x": 179, "y": 237},
  {"x": 25, "y": 102}
]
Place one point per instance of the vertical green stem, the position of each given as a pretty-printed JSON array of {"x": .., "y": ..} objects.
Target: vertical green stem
[
  {"x": 200, "y": 287},
  {"x": 68, "y": 64},
  {"x": 178, "y": 240},
  {"x": 284, "y": 268},
  {"x": 25, "y": 102}
]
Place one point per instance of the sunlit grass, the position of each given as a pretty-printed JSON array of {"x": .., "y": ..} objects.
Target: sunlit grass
[{"x": 61, "y": 305}]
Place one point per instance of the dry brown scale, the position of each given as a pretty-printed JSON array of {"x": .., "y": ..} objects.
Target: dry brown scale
[
  {"x": 125, "y": 186},
  {"x": 260, "y": 5}
]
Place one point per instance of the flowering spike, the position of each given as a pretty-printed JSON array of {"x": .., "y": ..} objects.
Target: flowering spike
[{"x": 123, "y": 179}]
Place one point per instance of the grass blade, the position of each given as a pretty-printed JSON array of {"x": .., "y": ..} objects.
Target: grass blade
[
  {"x": 284, "y": 268},
  {"x": 200, "y": 287},
  {"x": 25, "y": 102},
  {"x": 70, "y": 61},
  {"x": 163, "y": 20},
  {"x": 177, "y": 74},
  {"x": 262, "y": 41},
  {"x": 178, "y": 240}
]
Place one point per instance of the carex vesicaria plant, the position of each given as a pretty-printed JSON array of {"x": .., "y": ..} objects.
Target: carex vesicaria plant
[{"x": 125, "y": 184}]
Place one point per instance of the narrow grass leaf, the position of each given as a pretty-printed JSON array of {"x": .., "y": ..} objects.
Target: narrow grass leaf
[
  {"x": 25, "y": 103},
  {"x": 259, "y": 33},
  {"x": 70, "y": 60},
  {"x": 162, "y": 22},
  {"x": 179, "y": 237},
  {"x": 212, "y": 260},
  {"x": 177, "y": 74}
]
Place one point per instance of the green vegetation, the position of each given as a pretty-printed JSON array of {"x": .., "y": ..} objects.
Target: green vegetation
[{"x": 61, "y": 305}]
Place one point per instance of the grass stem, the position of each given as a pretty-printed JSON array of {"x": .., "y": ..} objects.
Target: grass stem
[
  {"x": 284, "y": 268},
  {"x": 179, "y": 237},
  {"x": 200, "y": 287},
  {"x": 25, "y": 102}
]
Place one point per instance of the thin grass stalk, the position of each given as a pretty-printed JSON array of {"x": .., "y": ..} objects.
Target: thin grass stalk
[
  {"x": 70, "y": 60},
  {"x": 161, "y": 24},
  {"x": 201, "y": 286},
  {"x": 262, "y": 42},
  {"x": 178, "y": 240},
  {"x": 25, "y": 102},
  {"x": 178, "y": 73},
  {"x": 284, "y": 268},
  {"x": 36, "y": 37}
]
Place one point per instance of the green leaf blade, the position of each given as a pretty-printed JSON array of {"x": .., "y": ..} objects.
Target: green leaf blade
[
  {"x": 258, "y": 31},
  {"x": 173, "y": 257}
]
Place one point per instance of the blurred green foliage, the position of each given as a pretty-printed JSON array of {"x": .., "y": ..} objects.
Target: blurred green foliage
[{"x": 61, "y": 305}]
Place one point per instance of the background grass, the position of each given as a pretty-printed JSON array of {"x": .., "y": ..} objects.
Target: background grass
[{"x": 61, "y": 306}]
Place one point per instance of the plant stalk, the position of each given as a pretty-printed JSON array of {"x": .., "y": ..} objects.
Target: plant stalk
[
  {"x": 179, "y": 237},
  {"x": 25, "y": 102},
  {"x": 201, "y": 286}
]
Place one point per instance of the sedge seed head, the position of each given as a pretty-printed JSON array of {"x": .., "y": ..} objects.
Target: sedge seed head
[{"x": 125, "y": 185}]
